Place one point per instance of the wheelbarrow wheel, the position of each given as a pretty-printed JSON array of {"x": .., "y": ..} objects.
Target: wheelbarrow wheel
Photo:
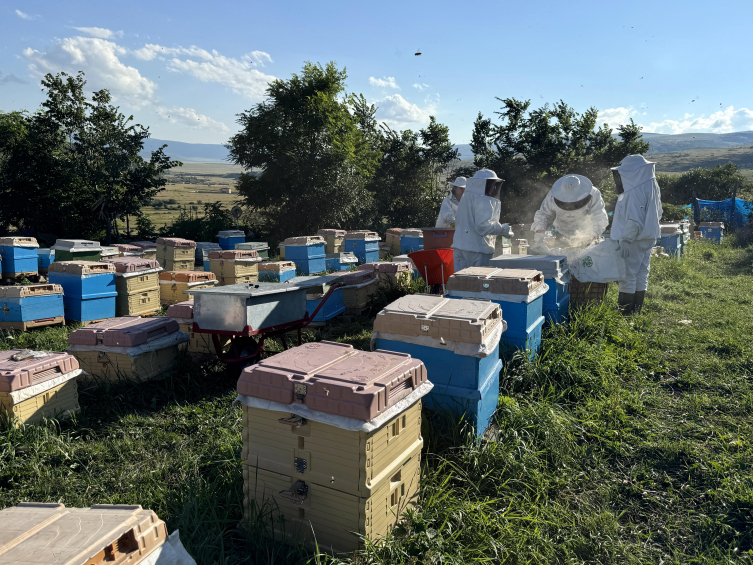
[{"x": 242, "y": 347}]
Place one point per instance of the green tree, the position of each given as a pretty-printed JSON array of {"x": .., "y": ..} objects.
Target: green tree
[
  {"x": 706, "y": 183},
  {"x": 312, "y": 156}
]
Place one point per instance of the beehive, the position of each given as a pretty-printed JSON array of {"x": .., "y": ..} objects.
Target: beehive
[
  {"x": 340, "y": 261},
  {"x": 384, "y": 250},
  {"x": 37, "y": 384},
  {"x": 24, "y": 307},
  {"x": 458, "y": 340},
  {"x": 261, "y": 247},
  {"x": 709, "y": 230},
  {"x": 137, "y": 284},
  {"x": 307, "y": 252},
  {"x": 276, "y": 271},
  {"x": 18, "y": 256},
  {"x": 332, "y": 459},
  {"x": 520, "y": 294},
  {"x": 317, "y": 289},
  {"x": 229, "y": 266},
  {"x": 105, "y": 534},
  {"x": 44, "y": 258},
  {"x": 334, "y": 240},
  {"x": 198, "y": 343},
  {"x": 128, "y": 250},
  {"x": 174, "y": 284},
  {"x": 88, "y": 287},
  {"x": 128, "y": 347},
  {"x": 109, "y": 252},
  {"x": 520, "y": 246},
  {"x": 411, "y": 239},
  {"x": 359, "y": 290},
  {"x": 671, "y": 239},
  {"x": 77, "y": 250},
  {"x": 406, "y": 259},
  {"x": 363, "y": 244},
  {"x": 230, "y": 238},
  {"x": 393, "y": 239},
  {"x": 176, "y": 253},
  {"x": 148, "y": 248},
  {"x": 390, "y": 273},
  {"x": 203, "y": 248}
]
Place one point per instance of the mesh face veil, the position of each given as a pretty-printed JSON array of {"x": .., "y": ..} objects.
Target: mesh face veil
[
  {"x": 618, "y": 182},
  {"x": 571, "y": 206}
]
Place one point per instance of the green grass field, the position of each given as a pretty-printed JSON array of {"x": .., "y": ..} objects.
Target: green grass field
[{"x": 627, "y": 441}]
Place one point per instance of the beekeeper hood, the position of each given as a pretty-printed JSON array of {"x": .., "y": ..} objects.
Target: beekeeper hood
[
  {"x": 633, "y": 171},
  {"x": 484, "y": 183},
  {"x": 571, "y": 192},
  {"x": 459, "y": 182}
]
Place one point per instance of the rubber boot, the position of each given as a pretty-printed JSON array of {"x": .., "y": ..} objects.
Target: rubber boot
[
  {"x": 640, "y": 295},
  {"x": 626, "y": 303}
]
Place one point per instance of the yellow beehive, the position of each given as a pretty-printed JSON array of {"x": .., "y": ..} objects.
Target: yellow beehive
[
  {"x": 334, "y": 240},
  {"x": 227, "y": 281},
  {"x": 137, "y": 284},
  {"x": 235, "y": 266},
  {"x": 359, "y": 289},
  {"x": 175, "y": 249},
  {"x": 174, "y": 284},
  {"x": 393, "y": 239},
  {"x": 58, "y": 402},
  {"x": 138, "y": 303},
  {"x": 177, "y": 264}
]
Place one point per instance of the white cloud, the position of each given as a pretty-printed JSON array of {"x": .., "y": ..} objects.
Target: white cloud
[
  {"x": 236, "y": 74},
  {"x": 616, "y": 116},
  {"x": 190, "y": 117},
  {"x": 99, "y": 32},
  {"x": 397, "y": 112},
  {"x": 723, "y": 121},
  {"x": 421, "y": 86},
  {"x": 25, "y": 16},
  {"x": 386, "y": 82},
  {"x": 99, "y": 59}
]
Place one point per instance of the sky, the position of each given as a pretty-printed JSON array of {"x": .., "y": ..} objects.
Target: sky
[{"x": 187, "y": 69}]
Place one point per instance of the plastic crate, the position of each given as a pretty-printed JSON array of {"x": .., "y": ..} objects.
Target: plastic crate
[
  {"x": 438, "y": 238},
  {"x": 582, "y": 293}
]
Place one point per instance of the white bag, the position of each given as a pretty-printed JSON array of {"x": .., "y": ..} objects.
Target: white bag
[{"x": 599, "y": 263}]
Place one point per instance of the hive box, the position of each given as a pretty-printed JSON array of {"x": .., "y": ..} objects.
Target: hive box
[
  {"x": 261, "y": 247},
  {"x": 307, "y": 252},
  {"x": 24, "y": 307},
  {"x": 519, "y": 247},
  {"x": 109, "y": 252},
  {"x": 458, "y": 341},
  {"x": 438, "y": 238},
  {"x": 281, "y": 248},
  {"x": 363, "y": 244},
  {"x": 334, "y": 240},
  {"x": 37, "y": 384},
  {"x": 44, "y": 258},
  {"x": 137, "y": 284},
  {"x": 359, "y": 289},
  {"x": 315, "y": 293},
  {"x": 332, "y": 441},
  {"x": 406, "y": 259},
  {"x": 18, "y": 256},
  {"x": 128, "y": 250},
  {"x": 203, "y": 249},
  {"x": 129, "y": 347},
  {"x": 393, "y": 239},
  {"x": 198, "y": 343},
  {"x": 174, "y": 285},
  {"x": 519, "y": 292},
  {"x": 276, "y": 271},
  {"x": 50, "y": 533},
  {"x": 340, "y": 261},
  {"x": 77, "y": 250},
  {"x": 88, "y": 288},
  {"x": 671, "y": 239},
  {"x": 709, "y": 230},
  {"x": 175, "y": 253},
  {"x": 236, "y": 266},
  {"x": 389, "y": 273},
  {"x": 230, "y": 238},
  {"x": 411, "y": 239},
  {"x": 148, "y": 248},
  {"x": 384, "y": 250}
]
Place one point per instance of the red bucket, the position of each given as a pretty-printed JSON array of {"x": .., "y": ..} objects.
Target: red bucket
[{"x": 434, "y": 265}]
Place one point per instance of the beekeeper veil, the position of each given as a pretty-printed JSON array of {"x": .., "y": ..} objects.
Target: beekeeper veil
[
  {"x": 486, "y": 183},
  {"x": 633, "y": 171},
  {"x": 571, "y": 193}
]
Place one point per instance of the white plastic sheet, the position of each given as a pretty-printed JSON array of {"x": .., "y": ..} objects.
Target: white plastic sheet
[
  {"x": 33, "y": 390},
  {"x": 599, "y": 263},
  {"x": 171, "y": 552}
]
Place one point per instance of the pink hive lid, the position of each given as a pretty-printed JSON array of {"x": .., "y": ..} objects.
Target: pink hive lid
[
  {"x": 144, "y": 244},
  {"x": 132, "y": 264},
  {"x": 175, "y": 242},
  {"x": 181, "y": 310},
  {"x": 20, "y": 368},
  {"x": 127, "y": 331}
]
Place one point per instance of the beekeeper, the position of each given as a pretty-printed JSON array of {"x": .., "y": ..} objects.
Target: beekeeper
[
  {"x": 575, "y": 208},
  {"x": 477, "y": 222},
  {"x": 635, "y": 226},
  {"x": 449, "y": 208}
]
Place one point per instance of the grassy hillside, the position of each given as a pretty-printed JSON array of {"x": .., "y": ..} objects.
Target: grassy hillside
[
  {"x": 684, "y": 160},
  {"x": 628, "y": 441}
]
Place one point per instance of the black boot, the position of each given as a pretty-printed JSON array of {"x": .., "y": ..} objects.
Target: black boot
[
  {"x": 626, "y": 303},
  {"x": 638, "y": 304}
]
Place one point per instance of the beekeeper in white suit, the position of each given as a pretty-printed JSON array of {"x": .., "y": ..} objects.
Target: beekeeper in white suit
[
  {"x": 449, "y": 209},
  {"x": 635, "y": 226},
  {"x": 477, "y": 222},
  {"x": 575, "y": 208}
]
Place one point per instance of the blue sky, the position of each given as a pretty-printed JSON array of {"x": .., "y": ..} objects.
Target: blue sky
[{"x": 187, "y": 68}]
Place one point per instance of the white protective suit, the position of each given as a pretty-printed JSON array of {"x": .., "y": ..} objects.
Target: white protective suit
[
  {"x": 636, "y": 219},
  {"x": 447, "y": 212},
  {"x": 477, "y": 224},
  {"x": 580, "y": 227}
]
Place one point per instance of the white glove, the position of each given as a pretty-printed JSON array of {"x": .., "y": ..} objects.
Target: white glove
[
  {"x": 623, "y": 250},
  {"x": 506, "y": 231},
  {"x": 538, "y": 238}
]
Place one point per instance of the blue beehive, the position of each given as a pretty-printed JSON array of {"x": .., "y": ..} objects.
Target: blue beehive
[
  {"x": 713, "y": 231},
  {"x": 89, "y": 289},
  {"x": 671, "y": 239},
  {"x": 23, "y": 307},
  {"x": 307, "y": 252},
  {"x": 411, "y": 240},
  {"x": 363, "y": 244},
  {"x": 557, "y": 312},
  {"x": 316, "y": 289},
  {"x": 528, "y": 340},
  {"x": 458, "y": 341},
  {"x": 44, "y": 258},
  {"x": 203, "y": 248},
  {"x": 340, "y": 261},
  {"x": 276, "y": 271},
  {"x": 19, "y": 256},
  {"x": 230, "y": 238}
]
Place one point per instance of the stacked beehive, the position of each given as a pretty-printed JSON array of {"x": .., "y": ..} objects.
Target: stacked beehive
[
  {"x": 458, "y": 340},
  {"x": 77, "y": 250},
  {"x": 130, "y": 347},
  {"x": 261, "y": 247},
  {"x": 128, "y": 250},
  {"x": 174, "y": 285},
  {"x": 109, "y": 252},
  {"x": 359, "y": 290},
  {"x": 235, "y": 267},
  {"x": 330, "y": 461},
  {"x": 276, "y": 271},
  {"x": 520, "y": 294},
  {"x": 411, "y": 239},
  {"x": 671, "y": 239},
  {"x": 393, "y": 239},
  {"x": 230, "y": 238},
  {"x": 88, "y": 287},
  {"x": 363, "y": 244},
  {"x": 32, "y": 306},
  {"x": 176, "y": 253},
  {"x": 137, "y": 284},
  {"x": 390, "y": 273},
  {"x": 334, "y": 240},
  {"x": 36, "y": 385},
  {"x": 307, "y": 252},
  {"x": 148, "y": 248},
  {"x": 18, "y": 257}
]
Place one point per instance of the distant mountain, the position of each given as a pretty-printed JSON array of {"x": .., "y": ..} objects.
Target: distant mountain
[
  {"x": 197, "y": 152},
  {"x": 465, "y": 151}
]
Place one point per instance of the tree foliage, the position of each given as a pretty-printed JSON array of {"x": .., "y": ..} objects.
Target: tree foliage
[
  {"x": 717, "y": 183},
  {"x": 191, "y": 225},
  {"x": 73, "y": 167}
]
